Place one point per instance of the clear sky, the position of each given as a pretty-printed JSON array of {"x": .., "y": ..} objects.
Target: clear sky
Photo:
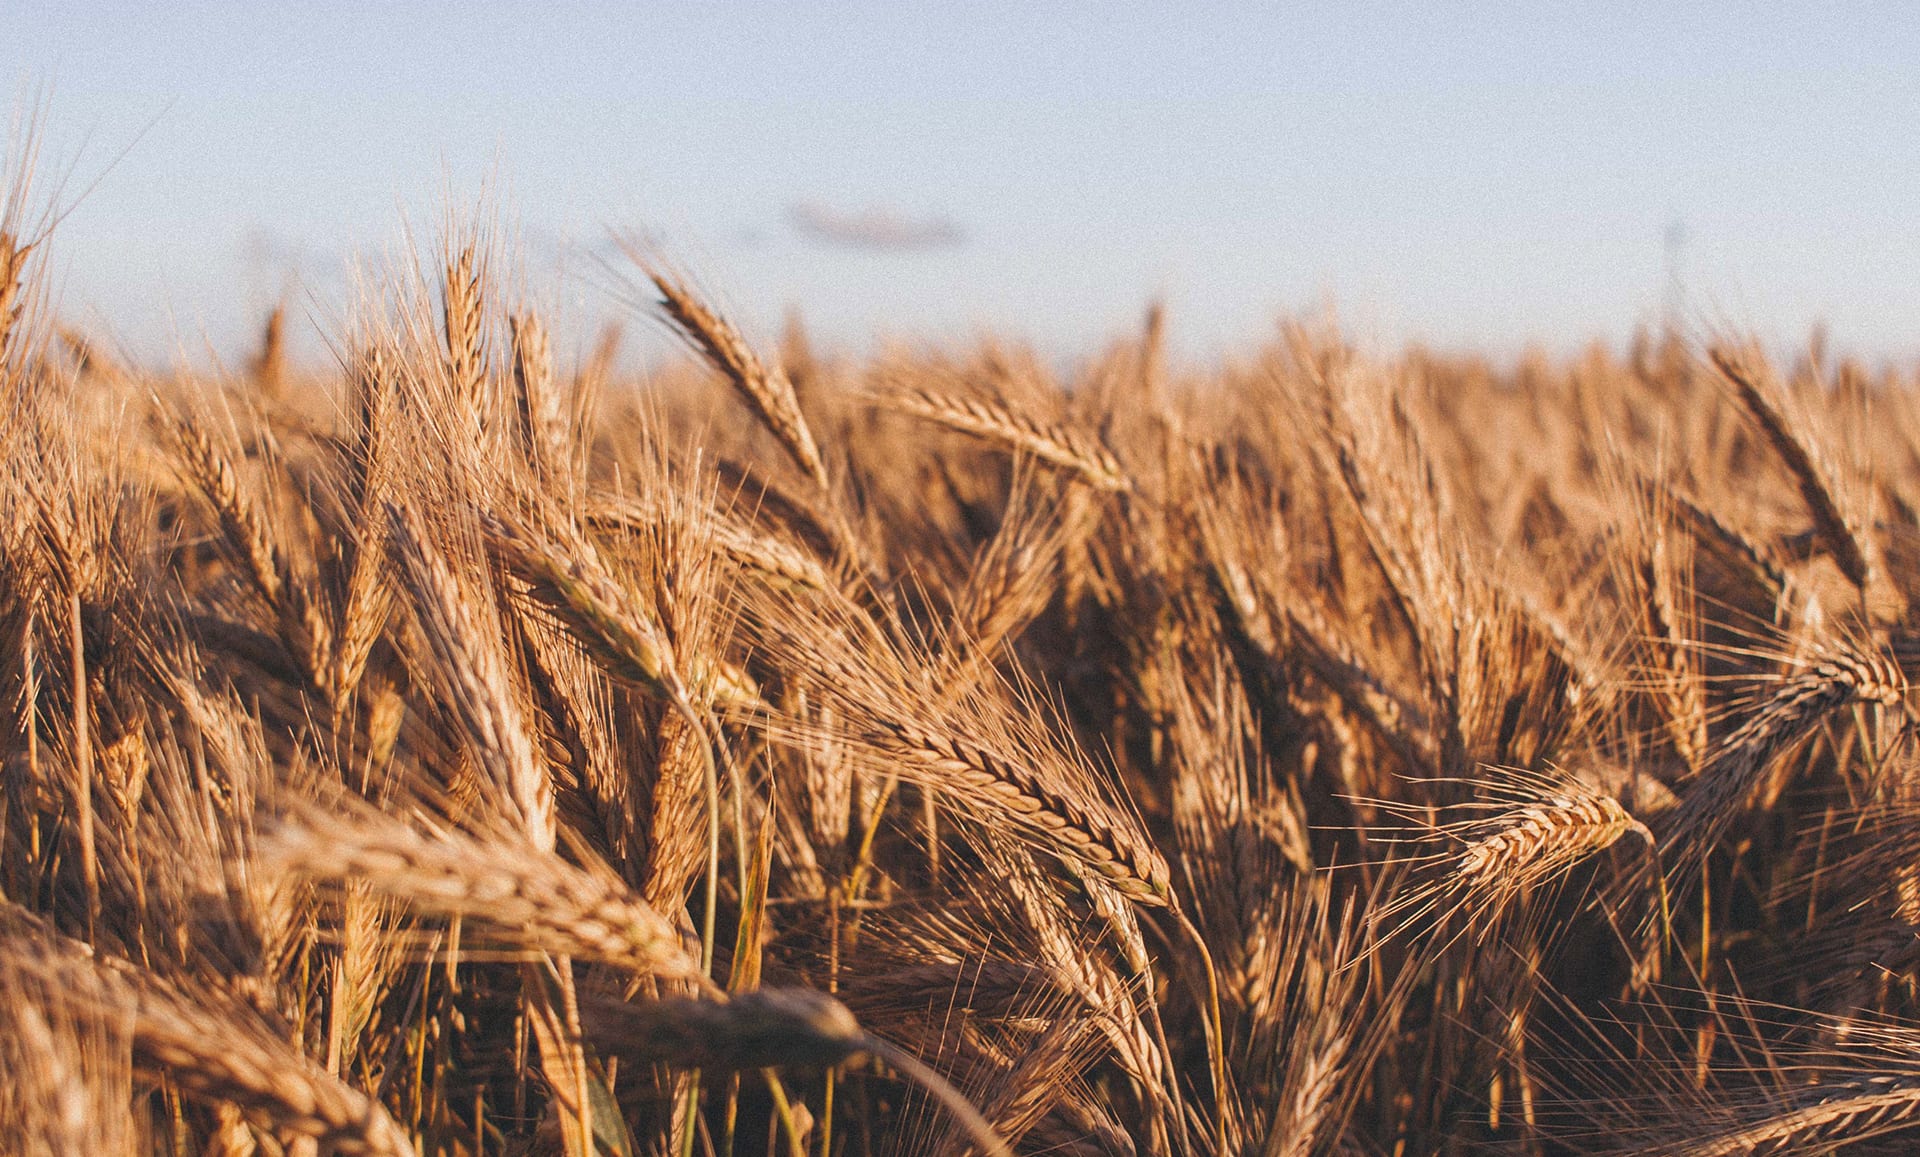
[{"x": 1473, "y": 174}]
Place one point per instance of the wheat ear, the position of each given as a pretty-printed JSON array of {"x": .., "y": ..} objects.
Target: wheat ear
[
  {"x": 1834, "y": 679},
  {"x": 1731, "y": 546},
  {"x": 270, "y": 366},
  {"x": 13, "y": 266},
  {"x": 546, "y": 434},
  {"x": 1056, "y": 445},
  {"x": 210, "y": 1046},
  {"x": 1852, "y": 551},
  {"x": 464, "y": 330},
  {"x": 241, "y": 522},
  {"x": 1832, "y": 1115},
  {"x": 533, "y": 898},
  {"x": 1534, "y": 843},
  {"x": 765, "y": 388},
  {"x": 1072, "y": 822},
  {"x": 775, "y": 561},
  {"x": 606, "y": 619},
  {"x": 472, "y": 674}
]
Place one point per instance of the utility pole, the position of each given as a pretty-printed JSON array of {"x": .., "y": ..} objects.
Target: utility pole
[{"x": 1674, "y": 299}]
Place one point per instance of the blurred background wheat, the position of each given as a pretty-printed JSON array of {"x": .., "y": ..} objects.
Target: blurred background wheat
[{"x": 466, "y": 736}]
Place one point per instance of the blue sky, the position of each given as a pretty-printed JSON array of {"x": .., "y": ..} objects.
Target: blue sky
[{"x": 1469, "y": 174}]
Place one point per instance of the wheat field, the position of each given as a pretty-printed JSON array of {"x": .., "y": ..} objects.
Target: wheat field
[{"x": 464, "y": 749}]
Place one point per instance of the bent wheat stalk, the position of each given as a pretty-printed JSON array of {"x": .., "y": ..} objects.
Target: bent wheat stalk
[{"x": 767, "y": 1028}]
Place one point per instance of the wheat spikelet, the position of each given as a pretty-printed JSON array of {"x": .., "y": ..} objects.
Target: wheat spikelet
[
  {"x": 1074, "y": 967},
  {"x": 1153, "y": 353},
  {"x": 1524, "y": 832},
  {"x": 69, "y": 1073},
  {"x": 13, "y": 267},
  {"x": 1304, "y": 1018},
  {"x": 1534, "y": 843},
  {"x": 306, "y": 629},
  {"x": 1401, "y": 723},
  {"x": 1303, "y": 635},
  {"x": 1056, "y": 445},
  {"x": 1679, "y": 686},
  {"x": 778, "y": 562},
  {"x": 87, "y": 358},
  {"x": 770, "y": 557},
  {"x": 1748, "y": 556},
  {"x": 208, "y": 1055},
  {"x": 463, "y": 328},
  {"x": 1020, "y": 1089},
  {"x": 245, "y": 528},
  {"x": 270, "y": 365},
  {"x": 366, "y": 608},
  {"x": 546, "y": 434}
]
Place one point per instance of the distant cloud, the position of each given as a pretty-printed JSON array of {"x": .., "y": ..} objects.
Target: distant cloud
[{"x": 875, "y": 228}]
